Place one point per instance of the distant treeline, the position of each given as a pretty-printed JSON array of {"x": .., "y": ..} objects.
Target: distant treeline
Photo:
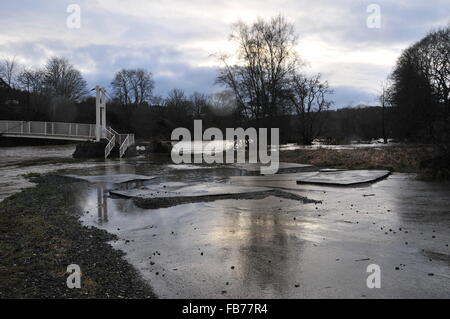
[
  {"x": 153, "y": 121},
  {"x": 267, "y": 87}
]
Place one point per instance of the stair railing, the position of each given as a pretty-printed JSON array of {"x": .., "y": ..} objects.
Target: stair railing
[{"x": 111, "y": 137}]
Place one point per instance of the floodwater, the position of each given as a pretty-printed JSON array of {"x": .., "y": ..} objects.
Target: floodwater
[
  {"x": 265, "y": 248},
  {"x": 376, "y": 144}
]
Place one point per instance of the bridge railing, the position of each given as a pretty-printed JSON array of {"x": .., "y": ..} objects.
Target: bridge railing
[
  {"x": 57, "y": 129},
  {"x": 126, "y": 142}
]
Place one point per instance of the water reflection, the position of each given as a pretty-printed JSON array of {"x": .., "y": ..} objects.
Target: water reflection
[{"x": 102, "y": 205}]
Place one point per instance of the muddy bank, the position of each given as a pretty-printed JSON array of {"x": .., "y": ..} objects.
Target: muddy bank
[
  {"x": 40, "y": 235},
  {"x": 161, "y": 202},
  {"x": 400, "y": 158},
  {"x": 19, "y": 141}
]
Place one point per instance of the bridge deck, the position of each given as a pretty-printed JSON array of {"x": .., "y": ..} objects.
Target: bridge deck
[{"x": 48, "y": 130}]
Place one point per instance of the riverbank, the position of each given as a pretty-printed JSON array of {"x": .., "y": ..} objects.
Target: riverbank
[
  {"x": 398, "y": 158},
  {"x": 40, "y": 235}
]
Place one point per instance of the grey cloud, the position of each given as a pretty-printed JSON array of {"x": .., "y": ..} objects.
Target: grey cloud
[{"x": 112, "y": 38}]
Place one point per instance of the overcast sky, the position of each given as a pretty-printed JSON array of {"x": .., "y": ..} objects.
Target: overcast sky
[{"x": 174, "y": 39}]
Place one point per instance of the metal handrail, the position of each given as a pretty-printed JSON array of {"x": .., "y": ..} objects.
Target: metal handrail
[
  {"x": 110, "y": 145},
  {"x": 128, "y": 141},
  {"x": 38, "y": 128},
  {"x": 123, "y": 146},
  {"x": 80, "y": 131}
]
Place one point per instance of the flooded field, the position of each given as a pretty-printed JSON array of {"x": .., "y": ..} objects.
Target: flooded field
[{"x": 265, "y": 247}]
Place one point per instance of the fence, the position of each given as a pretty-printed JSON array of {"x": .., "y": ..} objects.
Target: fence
[{"x": 48, "y": 129}]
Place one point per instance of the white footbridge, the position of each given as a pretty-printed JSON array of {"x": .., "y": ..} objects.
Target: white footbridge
[{"x": 72, "y": 131}]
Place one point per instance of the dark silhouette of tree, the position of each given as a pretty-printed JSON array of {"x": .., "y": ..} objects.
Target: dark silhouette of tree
[
  {"x": 31, "y": 81},
  {"x": 63, "y": 80},
  {"x": 385, "y": 99},
  {"x": 421, "y": 88},
  {"x": 266, "y": 57},
  {"x": 309, "y": 98},
  {"x": 200, "y": 104},
  {"x": 133, "y": 86},
  {"x": 179, "y": 109},
  {"x": 8, "y": 71}
]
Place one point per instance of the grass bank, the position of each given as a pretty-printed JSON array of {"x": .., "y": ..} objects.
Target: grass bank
[
  {"x": 401, "y": 158},
  {"x": 40, "y": 235}
]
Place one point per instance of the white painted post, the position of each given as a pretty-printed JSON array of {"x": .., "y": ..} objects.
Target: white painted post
[
  {"x": 97, "y": 114},
  {"x": 100, "y": 113},
  {"x": 103, "y": 113}
]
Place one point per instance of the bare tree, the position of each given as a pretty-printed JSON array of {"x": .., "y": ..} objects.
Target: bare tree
[
  {"x": 200, "y": 104},
  {"x": 8, "y": 70},
  {"x": 434, "y": 51},
  {"x": 133, "y": 86},
  {"x": 122, "y": 87},
  {"x": 309, "y": 98},
  {"x": 224, "y": 102},
  {"x": 266, "y": 57},
  {"x": 421, "y": 88},
  {"x": 384, "y": 98},
  {"x": 176, "y": 98},
  {"x": 62, "y": 79},
  {"x": 31, "y": 81},
  {"x": 179, "y": 108}
]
